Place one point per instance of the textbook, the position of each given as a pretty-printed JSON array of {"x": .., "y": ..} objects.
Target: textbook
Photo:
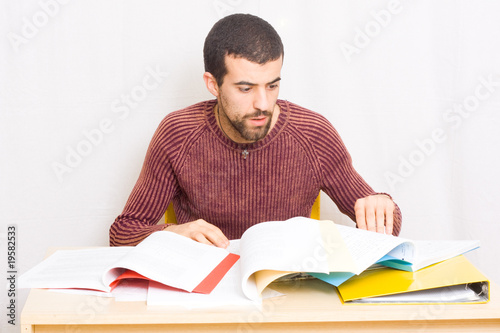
[{"x": 164, "y": 257}]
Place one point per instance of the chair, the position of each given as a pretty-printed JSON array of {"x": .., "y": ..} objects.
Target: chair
[{"x": 170, "y": 214}]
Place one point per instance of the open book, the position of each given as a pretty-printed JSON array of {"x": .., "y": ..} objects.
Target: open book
[
  {"x": 330, "y": 252},
  {"x": 164, "y": 257}
]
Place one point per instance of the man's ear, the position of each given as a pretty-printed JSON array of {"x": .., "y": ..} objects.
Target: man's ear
[{"x": 211, "y": 83}]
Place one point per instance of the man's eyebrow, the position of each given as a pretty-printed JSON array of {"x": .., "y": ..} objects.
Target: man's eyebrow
[
  {"x": 246, "y": 83},
  {"x": 275, "y": 80}
]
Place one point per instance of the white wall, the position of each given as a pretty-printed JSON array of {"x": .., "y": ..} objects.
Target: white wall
[{"x": 413, "y": 87}]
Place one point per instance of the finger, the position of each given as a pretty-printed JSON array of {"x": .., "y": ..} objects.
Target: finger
[
  {"x": 389, "y": 219},
  {"x": 200, "y": 238},
  {"x": 212, "y": 234},
  {"x": 201, "y": 231},
  {"x": 217, "y": 238},
  {"x": 371, "y": 222},
  {"x": 359, "y": 210},
  {"x": 380, "y": 217},
  {"x": 369, "y": 218}
]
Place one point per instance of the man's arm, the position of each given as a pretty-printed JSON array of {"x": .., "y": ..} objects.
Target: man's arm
[
  {"x": 352, "y": 195},
  {"x": 125, "y": 232},
  {"x": 152, "y": 193},
  {"x": 150, "y": 196}
]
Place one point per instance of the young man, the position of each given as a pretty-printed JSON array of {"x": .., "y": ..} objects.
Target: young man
[{"x": 245, "y": 157}]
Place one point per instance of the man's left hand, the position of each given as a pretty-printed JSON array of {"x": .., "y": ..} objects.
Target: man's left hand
[{"x": 375, "y": 213}]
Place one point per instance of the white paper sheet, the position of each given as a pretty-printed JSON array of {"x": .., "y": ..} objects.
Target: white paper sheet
[
  {"x": 73, "y": 269},
  {"x": 228, "y": 292},
  {"x": 459, "y": 293},
  {"x": 184, "y": 263}
]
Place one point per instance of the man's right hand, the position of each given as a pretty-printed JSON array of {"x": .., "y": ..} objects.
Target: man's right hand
[{"x": 201, "y": 231}]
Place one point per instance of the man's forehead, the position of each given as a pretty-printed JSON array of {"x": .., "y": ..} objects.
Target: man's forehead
[{"x": 240, "y": 69}]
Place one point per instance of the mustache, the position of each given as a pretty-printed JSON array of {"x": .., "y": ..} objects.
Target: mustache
[{"x": 259, "y": 113}]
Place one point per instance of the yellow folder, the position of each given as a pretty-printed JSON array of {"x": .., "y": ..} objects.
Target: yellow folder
[{"x": 443, "y": 282}]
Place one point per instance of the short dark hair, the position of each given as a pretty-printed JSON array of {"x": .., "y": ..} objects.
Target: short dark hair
[{"x": 240, "y": 35}]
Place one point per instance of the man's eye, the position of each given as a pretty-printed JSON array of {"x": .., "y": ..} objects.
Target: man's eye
[{"x": 246, "y": 89}]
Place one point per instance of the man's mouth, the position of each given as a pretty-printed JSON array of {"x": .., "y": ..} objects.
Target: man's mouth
[{"x": 259, "y": 119}]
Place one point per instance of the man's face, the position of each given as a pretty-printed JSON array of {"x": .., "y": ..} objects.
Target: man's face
[{"x": 247, "y": 99}]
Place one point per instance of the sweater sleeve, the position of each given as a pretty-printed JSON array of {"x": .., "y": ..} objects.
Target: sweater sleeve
[
  {"x": 340, "y": 181},
  {"x": 150, "y": 196}
]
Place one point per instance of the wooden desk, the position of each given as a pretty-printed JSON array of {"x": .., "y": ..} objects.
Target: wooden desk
[{"x": 308, "y": 306}]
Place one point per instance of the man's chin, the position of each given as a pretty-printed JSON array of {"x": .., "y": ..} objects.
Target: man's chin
[{"x": 256, "y": 135}]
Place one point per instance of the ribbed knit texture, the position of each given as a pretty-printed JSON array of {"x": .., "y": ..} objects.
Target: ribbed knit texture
[{"x": 192, "y": 163}]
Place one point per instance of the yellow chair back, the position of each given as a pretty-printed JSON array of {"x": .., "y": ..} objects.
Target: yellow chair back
[{"x": 315, "y": 214}]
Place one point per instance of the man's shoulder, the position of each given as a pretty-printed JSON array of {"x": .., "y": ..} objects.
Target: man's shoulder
[
  {"x": 191, "y": 114},
  {"x": 315, "y": 131},
  {"x": 180, "y": 125},
  {"x": 302, "y": 118},
  {"x": 183, "y": 120}
]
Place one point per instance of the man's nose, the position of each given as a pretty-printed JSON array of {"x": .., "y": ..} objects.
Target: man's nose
[{"x": 260, "y": 100}]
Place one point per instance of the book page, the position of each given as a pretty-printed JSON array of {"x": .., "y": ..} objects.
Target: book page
[
  {"x": 263, "y": 278},
  {"x": 227, "y": 294},
  {"x": 333, "y": 248},
  {"x": 171, "y": 259},
  {"x": 340, "y": 258},
  {"x": 367, "y": 247},
  {"x": 131, "y": 291},
  {"x": 426, "y": 253},
  {"x": 405, "y": 252},
  {"x": 433, "y": 251},
  {"x": 73, "y": 269},
  {"x": 295, "y": 245}
]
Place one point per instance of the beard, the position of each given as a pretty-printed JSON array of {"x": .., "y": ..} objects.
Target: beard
[
  {"x": 252, "y": 133},
  {"x": 247, "y": 131}
]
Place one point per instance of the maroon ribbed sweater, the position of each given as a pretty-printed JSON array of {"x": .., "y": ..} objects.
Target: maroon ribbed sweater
[{"x": 206, "y": 175}]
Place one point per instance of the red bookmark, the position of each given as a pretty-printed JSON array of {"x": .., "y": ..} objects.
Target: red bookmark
[{"x": 212, "y": 280}]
